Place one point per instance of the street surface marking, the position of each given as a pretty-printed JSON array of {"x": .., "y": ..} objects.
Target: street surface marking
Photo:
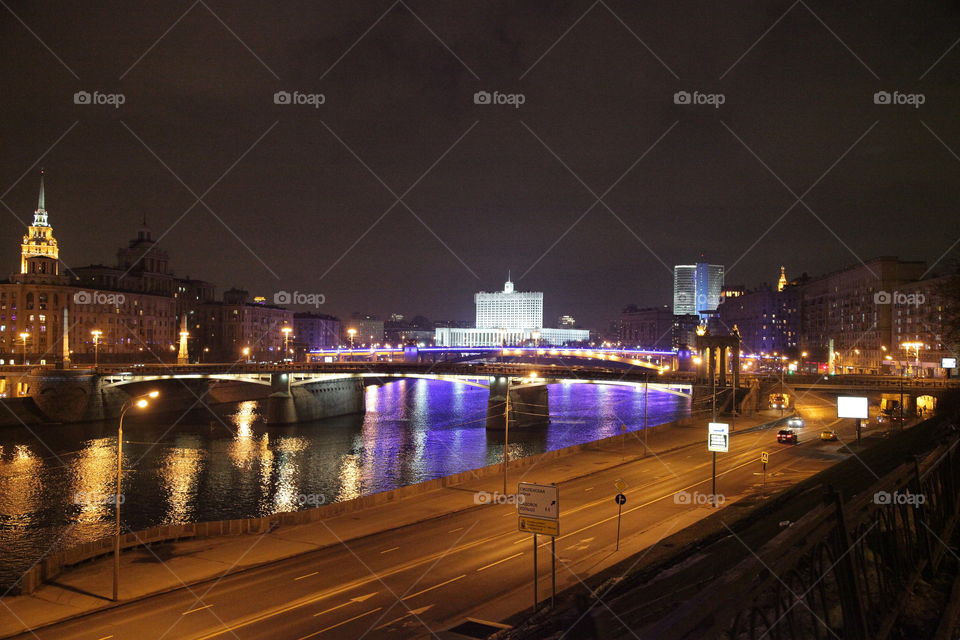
[
  {"x": 412, "y": 612},
  {"x": 389, "y": 550},
  {"x": 306, "y": 576},
  {"x": 493, "y": 564},
  {"x": 197, "y": 609},
  {"x": 436, "y": 586},
  {"x": 455, "y": 530},
  {"x": 340, "y": 624},
  {"x": 348, "y": 602},
  {"x": 431, "y": 557}
]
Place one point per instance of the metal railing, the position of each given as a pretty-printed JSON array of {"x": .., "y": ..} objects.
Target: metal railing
[{"x": 842, "y": 570}]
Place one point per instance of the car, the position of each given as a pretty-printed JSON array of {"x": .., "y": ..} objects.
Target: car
[
  {"x": 787, "y": 436},
  {"x": 828, "y": 434},
  {"x": 795, "y": 422}
]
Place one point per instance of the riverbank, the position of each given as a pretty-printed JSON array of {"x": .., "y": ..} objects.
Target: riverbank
[{"x": 164, "y": 566}]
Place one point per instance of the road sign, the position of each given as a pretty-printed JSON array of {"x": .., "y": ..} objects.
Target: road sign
[
  {"x": 764, "y": 457},
  {"x": 542, "y": 526},
  {"x": 620, "y": 499},
  {"x": 538, "y": 500},
  {"x": 718, "y": 437},
  {"x": 620, "y": 485}
]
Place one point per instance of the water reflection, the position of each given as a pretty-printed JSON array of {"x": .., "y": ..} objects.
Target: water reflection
[{"x": 192, "y": 468}]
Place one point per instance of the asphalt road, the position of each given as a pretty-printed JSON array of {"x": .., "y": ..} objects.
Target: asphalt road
[{"x": 425, "y": 577}]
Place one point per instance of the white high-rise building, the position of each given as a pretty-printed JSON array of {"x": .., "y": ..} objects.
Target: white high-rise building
[
  {"x": 509, "y": 309},
  {"x": 509, "y": 317},
  {"x": 696, "y": 288}
]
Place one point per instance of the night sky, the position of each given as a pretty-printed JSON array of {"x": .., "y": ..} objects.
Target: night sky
[{"x": 287, "y": 189}]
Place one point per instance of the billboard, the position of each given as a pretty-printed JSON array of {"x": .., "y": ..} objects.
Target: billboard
[
  {"x": 853, "y": 407},
  {"x": 948, "y": 363}
]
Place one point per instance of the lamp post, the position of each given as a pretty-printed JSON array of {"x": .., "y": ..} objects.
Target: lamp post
[
  {"x": 783, "y": 395},
  {"x": 96, "y": 333},
  {"x": 246, "y": 353},
  {"x": 506, "y": 437},
  {"x": 352, "y": 333},
  {"x": 140, "y": 402},
  {"x": 286, "y": 341}
]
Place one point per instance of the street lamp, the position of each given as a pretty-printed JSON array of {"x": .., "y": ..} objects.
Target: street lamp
[
  {"x": 915, "y": 347},
  {"x": 783, "y": 365},
  {"x": 352, "y": 333},
  {"x": 140, "y": 402},
  {"x": 23, "y": 336},
  {"x": 246, "y": 353},
  {"x": 96, "y": 333},
  {"x": 286, "y": 341}
]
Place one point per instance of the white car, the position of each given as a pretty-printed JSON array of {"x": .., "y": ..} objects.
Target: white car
[{"x": 795, "y": 422}]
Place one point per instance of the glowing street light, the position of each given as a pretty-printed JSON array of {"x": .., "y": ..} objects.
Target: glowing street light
[
  {"x": 96, "y": 333},
  {"x": 286, "y": 340},
  {"x": 141, "y": 402},
  {"x": 352, "y": 333},
  {"x": 24, "y": 336}
]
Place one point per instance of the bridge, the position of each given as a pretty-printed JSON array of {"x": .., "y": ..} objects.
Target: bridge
[{"x": 296, "y": 392}]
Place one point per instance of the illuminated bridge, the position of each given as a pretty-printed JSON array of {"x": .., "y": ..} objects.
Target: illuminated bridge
[{"x": 296, "y": 392}]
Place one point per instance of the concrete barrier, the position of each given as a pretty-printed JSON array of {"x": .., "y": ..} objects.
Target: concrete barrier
[{"x": 55, "y": 563}]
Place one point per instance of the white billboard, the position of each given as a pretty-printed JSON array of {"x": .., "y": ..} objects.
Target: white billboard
[
  {"x": 948, "y": 363},
  {"x": 853, "y": 407}
]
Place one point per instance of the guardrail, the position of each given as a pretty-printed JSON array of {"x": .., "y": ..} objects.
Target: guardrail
[{"x": 842, "y": 570}]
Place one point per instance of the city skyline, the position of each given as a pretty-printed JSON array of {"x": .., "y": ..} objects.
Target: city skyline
[
  {"x": 292, "y": 187},
  {"x": 612, "y": 311}
]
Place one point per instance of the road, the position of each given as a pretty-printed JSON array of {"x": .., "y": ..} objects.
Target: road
[{"x": 408, "y": 581}]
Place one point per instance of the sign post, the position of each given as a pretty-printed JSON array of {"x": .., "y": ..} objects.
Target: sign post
[
  {"x": 718, "y": 439},
  {"x": 538, "y": 512},
  {"x": 764, "y": 458},
  {"x": 856, "y": 407},
  {"x": 621, "y": 500}
]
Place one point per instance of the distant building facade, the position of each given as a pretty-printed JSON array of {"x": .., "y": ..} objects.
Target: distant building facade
[
  {"x": 847, "y": 321},
  {"x": 650, "y": 328},
  {"x": 509, "y": 309},
  {"x": 696, "y": 288},
  {"x": 768, "y": 319},
  {"x": 316, "y": 331},
  {"x": 508, "y": 318}
]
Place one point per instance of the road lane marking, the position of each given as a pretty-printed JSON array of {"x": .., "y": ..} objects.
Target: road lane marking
[
  {"x": 432, "y": 557},
  {"x": 436, "y": 586},
  {"x": 105, "y": 638},
  {"x": 455, "y": 530},
  {"x": 389, "y": 550},
  {"x": 412, "y": 612},
  {"x": 197, "y": 609},
  {"x": 306, "y": 576},
  {"x": 493, "y": 564},
  {"x": 340, "y": 624},
  {"x": 590, "y": 489},
  {"x": 348, "y": 602}
]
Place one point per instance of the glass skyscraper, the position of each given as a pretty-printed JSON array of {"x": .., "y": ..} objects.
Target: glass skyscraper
[{"x": 696, "y": 288}]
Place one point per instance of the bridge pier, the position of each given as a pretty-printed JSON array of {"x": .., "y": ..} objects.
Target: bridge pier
[
  {"x": 529, "y": 404},
  {"x": 288, "y": 403}
]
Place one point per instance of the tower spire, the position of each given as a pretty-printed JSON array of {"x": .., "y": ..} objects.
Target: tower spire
[
  {"x": 783, "y": 279},
  {"x": 41, "y": 201}
]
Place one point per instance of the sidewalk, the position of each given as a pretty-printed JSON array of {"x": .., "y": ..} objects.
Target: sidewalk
[{"x": 169, "y": 566}]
